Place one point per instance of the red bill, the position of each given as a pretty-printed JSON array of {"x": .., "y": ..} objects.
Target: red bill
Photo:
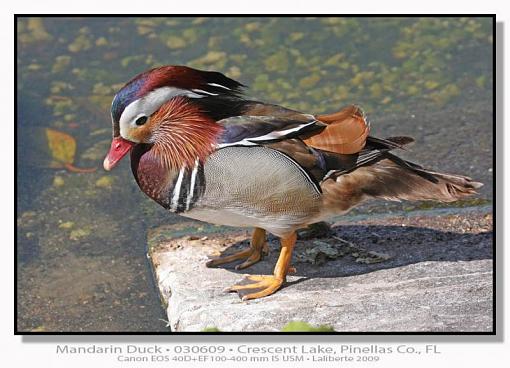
[{"x": 119, "y": 148}]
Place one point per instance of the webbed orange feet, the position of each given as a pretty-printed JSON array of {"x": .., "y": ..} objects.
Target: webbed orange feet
[
  {"x": 258, "y": 286},
  {"x": 258, "y": 249}
]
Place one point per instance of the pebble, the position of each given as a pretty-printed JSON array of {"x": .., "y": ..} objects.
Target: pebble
[
  {"x": 104, "y": 182},
  {"x": 58, "y": 181},
  {"x": 66, "y": 225}
]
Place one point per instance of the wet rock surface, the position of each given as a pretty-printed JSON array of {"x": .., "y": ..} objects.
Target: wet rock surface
[{"x": 428, "y": 271}]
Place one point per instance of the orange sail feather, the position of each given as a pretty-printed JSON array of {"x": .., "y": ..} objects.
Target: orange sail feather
[{"x": 346, "y": 132}]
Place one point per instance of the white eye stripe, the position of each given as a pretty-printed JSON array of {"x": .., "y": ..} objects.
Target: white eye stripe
[{"x": 148, "y": 104}]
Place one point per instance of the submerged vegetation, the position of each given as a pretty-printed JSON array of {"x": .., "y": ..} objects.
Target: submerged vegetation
[{"x": 311, "y": 64}]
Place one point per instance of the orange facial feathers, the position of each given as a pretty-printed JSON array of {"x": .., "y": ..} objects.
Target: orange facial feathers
[{"x": 182, "y": 133}]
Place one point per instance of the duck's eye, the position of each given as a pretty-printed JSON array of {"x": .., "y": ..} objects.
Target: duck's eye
[{"x": 141, "y": 120}]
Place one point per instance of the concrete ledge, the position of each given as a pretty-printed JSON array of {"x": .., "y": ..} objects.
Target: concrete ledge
[{"x": 398, "y": 274}]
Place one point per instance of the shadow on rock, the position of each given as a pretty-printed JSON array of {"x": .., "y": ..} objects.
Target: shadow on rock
[{"x": 360, "y": 249}]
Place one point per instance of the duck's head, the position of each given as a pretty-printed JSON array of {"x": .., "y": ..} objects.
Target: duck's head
[{"x": 167, "y": 107}]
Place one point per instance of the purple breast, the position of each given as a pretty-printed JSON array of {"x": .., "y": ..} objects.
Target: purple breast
[{"x": 152, "y": 177}]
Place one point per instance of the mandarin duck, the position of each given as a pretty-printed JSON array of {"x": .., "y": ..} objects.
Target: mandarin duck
[{"x": 202, "y": 150}]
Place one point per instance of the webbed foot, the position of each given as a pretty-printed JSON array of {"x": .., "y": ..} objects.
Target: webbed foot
[{"x": 256, "y": 286}]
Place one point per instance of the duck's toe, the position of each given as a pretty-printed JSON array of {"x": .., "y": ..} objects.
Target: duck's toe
[{"x": 256, "y": 286}]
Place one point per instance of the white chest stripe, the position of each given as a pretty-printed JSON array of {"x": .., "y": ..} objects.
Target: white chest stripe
[
  {"x": 252, "y": 141},
  {"x": 192, "y": 184},
  {"x": 177, "y": 190}
]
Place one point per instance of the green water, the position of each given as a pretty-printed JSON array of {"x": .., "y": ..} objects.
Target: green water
[{"x": 82, "y": 237}]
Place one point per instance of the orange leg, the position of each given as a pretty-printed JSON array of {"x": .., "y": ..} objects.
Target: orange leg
[
  {"x": 258, "y": 286},
  {"x": 258, "y": 249}
]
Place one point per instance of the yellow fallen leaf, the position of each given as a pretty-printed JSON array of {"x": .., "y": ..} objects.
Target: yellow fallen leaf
[
  {"x": 62, "y": 146},
  {"x": 50, "y": 148}
]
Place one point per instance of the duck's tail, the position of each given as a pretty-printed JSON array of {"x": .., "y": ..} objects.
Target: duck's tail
[{"x": 395, "y": 179}]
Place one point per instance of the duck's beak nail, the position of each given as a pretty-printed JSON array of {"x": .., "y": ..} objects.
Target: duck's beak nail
[
  {"x": 107, "y": 164},
  {"x": 119, "y": 148}
]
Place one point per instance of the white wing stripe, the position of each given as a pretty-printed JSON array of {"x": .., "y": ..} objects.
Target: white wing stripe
[{"x": 273, "y": 135}]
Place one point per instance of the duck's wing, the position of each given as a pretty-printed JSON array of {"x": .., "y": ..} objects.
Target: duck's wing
[
  {"x": 251, "y": 130},
  {"x": 321, "y": 165},
  {"x": 344, "y": 132},
  {"x": 302, "y": 137}
]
